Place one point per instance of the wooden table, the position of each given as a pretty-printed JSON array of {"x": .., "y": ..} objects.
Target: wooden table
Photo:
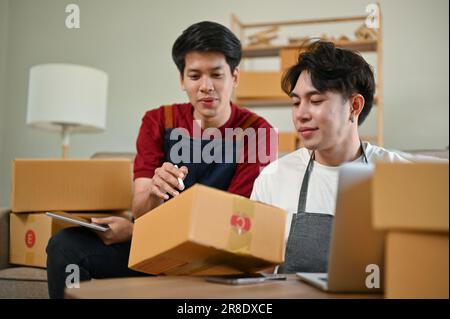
[{"x": 185, "y": 287}]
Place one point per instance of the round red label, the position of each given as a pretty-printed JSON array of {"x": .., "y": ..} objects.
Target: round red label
[
  {"x": 242, "y": 224},
  {"x": 30, "y": 238}
]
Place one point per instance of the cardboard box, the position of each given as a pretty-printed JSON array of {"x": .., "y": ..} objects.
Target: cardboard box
[
  {"x": 71, "y": 185},
  {"x": 205, "y": 231},
  {"x": 411, "y": 196},
  {"x": 30, "y": 233},
  {"x": 416, "y": 265},
  {"x": 260, "y": 85},
  {"x": 410, "y": 202}
]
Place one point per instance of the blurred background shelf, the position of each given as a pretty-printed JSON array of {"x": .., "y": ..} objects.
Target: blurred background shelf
[
  {"x": 274, "y": 50},
  {"x": 262, "y": 88}
]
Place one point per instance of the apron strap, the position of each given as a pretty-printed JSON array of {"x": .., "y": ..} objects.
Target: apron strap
[
  {"x": 249, "y": 121},
  {"x": 246, "y": 124},
  {"x": 168, "y": 116},
  {"x": 304, "y": 189}
]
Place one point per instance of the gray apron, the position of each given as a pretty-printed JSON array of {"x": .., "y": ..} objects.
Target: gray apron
[{"x": 309, "y": 237}]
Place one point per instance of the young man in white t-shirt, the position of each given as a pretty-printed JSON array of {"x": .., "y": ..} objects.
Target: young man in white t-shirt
[{"x": 332, "y": 92}]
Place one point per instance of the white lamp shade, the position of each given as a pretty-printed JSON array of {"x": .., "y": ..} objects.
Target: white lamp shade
[{"x": 67, "y": 94}]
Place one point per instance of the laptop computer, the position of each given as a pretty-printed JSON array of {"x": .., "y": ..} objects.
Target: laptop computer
[{"x": 355, "y": 262}]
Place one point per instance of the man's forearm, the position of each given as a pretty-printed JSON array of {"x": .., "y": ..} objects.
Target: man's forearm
[{"x": 143, "y": 203}]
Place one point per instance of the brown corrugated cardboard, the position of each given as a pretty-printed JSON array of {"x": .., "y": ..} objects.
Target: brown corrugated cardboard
[
  {"x": 71, "y": 185},
  {"x": 417, "y": 265},
  {"x": 257, "y": 85},
  {"x": 411, "y": 196},
  {"x": 30, "y": 233},
  {"x": 205, "y": 231},
  {"x": 410, "y": 202}
]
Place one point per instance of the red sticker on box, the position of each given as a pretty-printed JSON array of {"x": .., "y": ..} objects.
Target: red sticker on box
[
  {"x": 241, "y": 226},
  {"x": 240, "y": 223},
  {"x": 30, "y": 238}
]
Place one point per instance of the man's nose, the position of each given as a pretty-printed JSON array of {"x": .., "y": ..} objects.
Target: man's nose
[
  {"x": 207, "y": 85},
  {"x": 301, "y": 113}
]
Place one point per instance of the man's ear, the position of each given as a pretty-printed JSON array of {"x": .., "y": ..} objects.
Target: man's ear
[
  {"x": 182, "y": 82},
  {"x": 356, "y": 105},
  {"x": 236, "y": 76}
]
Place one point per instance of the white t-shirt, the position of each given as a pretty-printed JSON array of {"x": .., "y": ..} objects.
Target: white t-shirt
[{"x": 279, "y": 183}]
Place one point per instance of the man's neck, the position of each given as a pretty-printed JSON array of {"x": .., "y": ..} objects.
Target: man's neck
[
  {"x": 216, "y": 121},
  {"x": 340, "y": 154}
]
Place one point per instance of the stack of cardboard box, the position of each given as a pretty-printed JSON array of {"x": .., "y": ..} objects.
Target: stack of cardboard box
[
  {"x": 410, "y": 203},
  {"x": 86, "y": 188}
]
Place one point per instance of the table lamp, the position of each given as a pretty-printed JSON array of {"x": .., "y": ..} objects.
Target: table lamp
[{"x": 67, "y": 98}]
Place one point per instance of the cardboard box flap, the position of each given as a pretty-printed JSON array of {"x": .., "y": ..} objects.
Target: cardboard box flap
[{"x": 200, "y": 259}]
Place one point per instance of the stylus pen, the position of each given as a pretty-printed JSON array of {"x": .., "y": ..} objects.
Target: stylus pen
[{"x": 180, "y": 181}]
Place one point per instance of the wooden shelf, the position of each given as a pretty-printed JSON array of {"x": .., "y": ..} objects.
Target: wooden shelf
[{"x": 269, "y": 51}]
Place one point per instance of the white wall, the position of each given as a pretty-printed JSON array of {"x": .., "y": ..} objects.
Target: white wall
[
  {"x": 4, "y": 9},
  {"x": 131, "y": 41}
]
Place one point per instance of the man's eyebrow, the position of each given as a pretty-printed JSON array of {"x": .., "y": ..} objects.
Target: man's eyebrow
[
  {"x": 217, "y": 68},
  {"x": 309, "y": 93},
  {"x": 313, "y": 92}
]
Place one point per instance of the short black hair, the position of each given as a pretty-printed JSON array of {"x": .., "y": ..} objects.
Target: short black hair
[
  {"x": 207, "y": 36},
  {"x": 334, "y": 69}
]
